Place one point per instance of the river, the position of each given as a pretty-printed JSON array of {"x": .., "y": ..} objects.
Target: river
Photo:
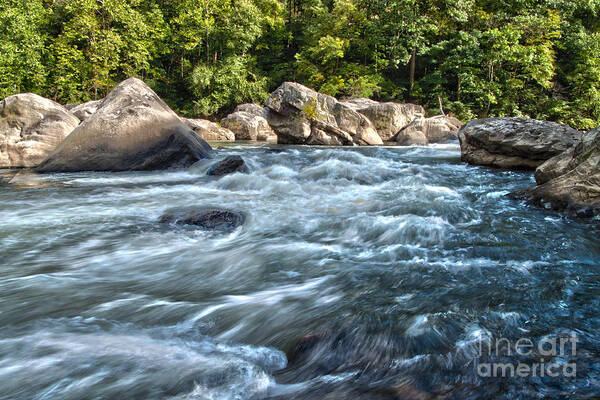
[{"x": 379, "y": 271}]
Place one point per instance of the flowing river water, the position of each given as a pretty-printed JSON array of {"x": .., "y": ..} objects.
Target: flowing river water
[{"x": 379, "y": 271}]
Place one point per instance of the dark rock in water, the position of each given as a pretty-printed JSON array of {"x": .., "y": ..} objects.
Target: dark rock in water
[
  {"x": 341, "y": 351},
  {"x": 336, "y": 350},
  {"x": 227, "y": 166},
  {"x": 317, "y": 354},
  {"x": 277, "y": 150},
  {"x": 517, "y": 143},
  {"x": 569, "y": 181},
  {"x": 212, "y": 219},
  {"x": 303, "y": 346},
  {"x": 132, "y": 130}
]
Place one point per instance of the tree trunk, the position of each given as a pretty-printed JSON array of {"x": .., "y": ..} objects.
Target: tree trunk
[
  {"x": 95, "y": 83},
  {"x": 413, "y": 66},
  {"x": 489, "y": 102},
  {"x": 459, "y": 88},
  {"x": 207, "y": 46}
]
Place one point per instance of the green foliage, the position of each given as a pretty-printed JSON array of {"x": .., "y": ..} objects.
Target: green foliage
[
  {"x": 311, "y": 110},
  {"x": 225, "y": 84},
  {"x": 22, "y": 36},
  {"x": 479, "y": 57},
  {"x": 95, "y": 44}
]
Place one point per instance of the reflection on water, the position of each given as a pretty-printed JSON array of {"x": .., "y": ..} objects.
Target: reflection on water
[
  {"x": 377, "y": 270},
  {"x": 23, "y": 179}
]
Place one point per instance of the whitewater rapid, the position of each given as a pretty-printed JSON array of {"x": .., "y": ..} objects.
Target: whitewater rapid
[{"x": 398, "y": 259}]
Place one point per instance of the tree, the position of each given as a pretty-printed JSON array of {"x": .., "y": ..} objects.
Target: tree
[
  {"x": 538, "y": 58},
  {"x": 23, "y": 34},
  {"x": 99, "y": 43}
]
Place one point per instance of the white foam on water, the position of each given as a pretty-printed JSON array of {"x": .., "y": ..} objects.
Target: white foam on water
[
  {"x": 63, "y": 360},
  {"x": 406, "y": 239}
]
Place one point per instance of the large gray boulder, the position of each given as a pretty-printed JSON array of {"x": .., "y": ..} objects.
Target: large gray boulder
[
  {"x": 519, "y": 143},
  {"x": 132, "y": 130},
  {"x": 30, "y": 128},
  {"x": 209, "y": 131},
  {"x": 439, "y": 129},
  {"x": 300, "y": 115},
  {"x": 389, "y": 118},
  {"x": 412, "y": 135},
  {"x": 248, "y": 126},
  {"x": 85, "y": 110},
  {"x": 252, "y": 108},
  {"x": 571, "y": 180}
]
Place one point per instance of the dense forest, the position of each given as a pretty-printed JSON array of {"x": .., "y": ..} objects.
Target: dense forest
[{"x": 475, "y": 58}]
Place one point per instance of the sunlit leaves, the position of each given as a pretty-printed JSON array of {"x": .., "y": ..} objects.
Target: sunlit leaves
[
  {"x": 22, "y": 38},
  {"x": 232, "y": 81}
]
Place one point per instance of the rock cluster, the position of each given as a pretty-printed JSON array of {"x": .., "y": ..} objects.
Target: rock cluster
[
  {"x": 299, "y": 115},
  {"x": 133, "y": 129},
  {"x": 569, "y": 181}
]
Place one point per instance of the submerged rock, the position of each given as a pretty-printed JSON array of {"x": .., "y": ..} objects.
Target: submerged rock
[
  {"x": 389, "y": 118},
  {"x": 519, "y": 143},
  {"x": 354, "y": 349},
  {"x": 209, "y": 131},
  {"x": 31, "y": 127},
  {"x": 248, "y": 126},
  {"x": 132, "y": 130},
  {"x": 304, "y": 346},
  {"x": 86, "y": 110},
  {"x": 569, "y": 181},
  {"x": 7, "y": 175},
  {"x": 25, "y": 179},
  {"x": 210, "y": 219},
  {"x": 300, "y": 115},
  {"x": 227, "y": 166}
]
